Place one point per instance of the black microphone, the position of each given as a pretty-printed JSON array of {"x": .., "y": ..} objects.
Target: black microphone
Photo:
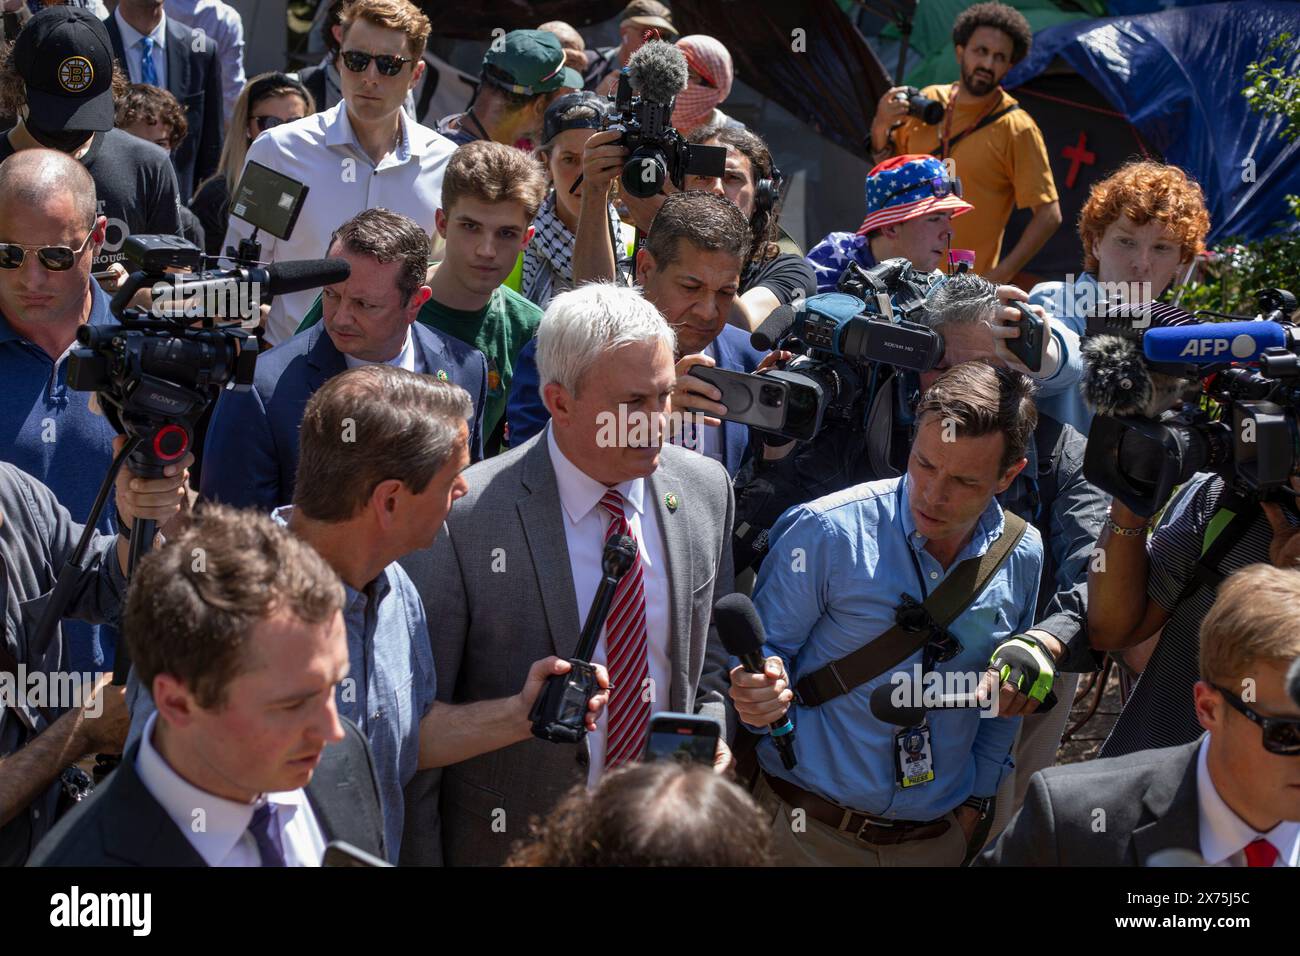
[
  {"x": 560, "y": 712},
  {"x": 1293, "y": 682},
  {"x": 770, "y": 330},
  {"x": 886, "y": 708},
  {"x": 299, "y": 275},
  {"x": 741, "y": 631}
]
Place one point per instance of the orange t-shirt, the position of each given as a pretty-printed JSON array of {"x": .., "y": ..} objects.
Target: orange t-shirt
[{"x": 1001, "y": 165}]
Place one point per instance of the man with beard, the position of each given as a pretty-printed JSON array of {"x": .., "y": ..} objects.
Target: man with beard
[{"x": 995, "y": 146}]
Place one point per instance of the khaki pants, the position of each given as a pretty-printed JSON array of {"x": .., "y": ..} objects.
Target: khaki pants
[{"x": 802, "y": 841}]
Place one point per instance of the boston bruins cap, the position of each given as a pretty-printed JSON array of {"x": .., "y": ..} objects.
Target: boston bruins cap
[{"x": 66, "y": 61}]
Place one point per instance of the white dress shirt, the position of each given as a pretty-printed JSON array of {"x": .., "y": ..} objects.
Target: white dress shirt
[
  {"x": 322, "y": 151},
  {"x": 1225, "y": 836},
  {"x": 586, "y": 526},
  {"x": 408, "y": 358},
  {"x": 131, "y": 38},
  {"x": 219, "y": 833}
]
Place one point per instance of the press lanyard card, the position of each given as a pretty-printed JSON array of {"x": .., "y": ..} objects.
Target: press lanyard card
[{"x": 913, "y": 758}]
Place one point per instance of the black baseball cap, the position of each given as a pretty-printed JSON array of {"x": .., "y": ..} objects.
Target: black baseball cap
[
  {"x": 553, "y": 125},
  {"x": 65, "y": 59}
]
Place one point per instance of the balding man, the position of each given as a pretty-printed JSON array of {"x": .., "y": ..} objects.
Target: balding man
[{"x": 49, "y": 235}]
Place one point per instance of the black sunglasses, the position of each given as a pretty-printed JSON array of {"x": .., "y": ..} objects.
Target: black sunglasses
[
  {"x": 911, "y": 616},
  {"x": 54, "y": 258},
  {"x": 939, "y": 186},
  {"x": 388, "y": 65},
  {"x": 1281, "y": 734},
  {"x": 267, "y": 122}
]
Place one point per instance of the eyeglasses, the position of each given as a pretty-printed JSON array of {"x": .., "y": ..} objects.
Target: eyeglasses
[
  {"x": 1281, "y": 734},
  {"x": 266, "y": 122},
  {"x": 388, "y": 65},
  {"x": 54, "y": 258},
  {"x": 939, "y": 187}
]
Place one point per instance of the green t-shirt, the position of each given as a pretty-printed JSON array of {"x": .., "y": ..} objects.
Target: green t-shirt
[{"x": 499, "y": 330}]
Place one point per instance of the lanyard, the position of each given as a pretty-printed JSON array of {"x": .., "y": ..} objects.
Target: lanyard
[{"x": 947, "y": 120}]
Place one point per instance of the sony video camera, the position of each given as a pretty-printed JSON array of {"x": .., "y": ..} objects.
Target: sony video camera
[
  {"x": 1182, "y": 397},
  {"x": 643, "y": 109}
]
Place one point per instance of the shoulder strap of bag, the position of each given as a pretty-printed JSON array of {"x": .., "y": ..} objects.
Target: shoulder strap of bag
[
  {"x": 991, "y": 118},
  {"x": 958, "y": 590}
]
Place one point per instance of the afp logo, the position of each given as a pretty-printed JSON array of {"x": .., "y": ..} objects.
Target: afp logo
[
  {"x": 76, "y": 74},
  {"x": 1240, "y": 347}
]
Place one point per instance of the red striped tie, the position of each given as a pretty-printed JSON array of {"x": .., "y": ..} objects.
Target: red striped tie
[{"x": 626, "y": 653}]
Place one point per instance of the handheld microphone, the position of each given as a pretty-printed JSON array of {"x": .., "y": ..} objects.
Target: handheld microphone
[
  {"x": 1211, "y": 343},
  {"x": 560, "y": 712},
  {"x": 741, "y": 632},
  {"x": 770, "y": 330},
  {"x": 886, "y": 709},
  {"x": 658, "y": 71},
  {"x": 1293, "y": 682}
]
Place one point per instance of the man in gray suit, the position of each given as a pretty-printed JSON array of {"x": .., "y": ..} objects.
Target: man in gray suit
[
  {"x": 1231, "y": 798},
  {"x": 517, "y": 566}
]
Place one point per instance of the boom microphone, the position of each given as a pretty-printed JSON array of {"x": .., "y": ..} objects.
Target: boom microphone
[
  {"x": 741, "y": 632},
  {"x": 658, "y": 71},
  {"x": 1208, "y": 343},
  {"x": 299, "y": 275}
]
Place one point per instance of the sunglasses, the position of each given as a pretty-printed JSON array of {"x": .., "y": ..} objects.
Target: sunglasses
[
  {"x": 54, "y": 258},
  {"x": 388, "y": 65},
  {"x": 267, "y": 122},
  {"x": 939, "y": 187},
  {"x": 1281, "y": 734}
]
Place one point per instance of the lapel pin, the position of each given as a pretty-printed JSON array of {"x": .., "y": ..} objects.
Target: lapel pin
[
  {"x": 442, "y": 375},
  {"x": 671, "y": 501}
]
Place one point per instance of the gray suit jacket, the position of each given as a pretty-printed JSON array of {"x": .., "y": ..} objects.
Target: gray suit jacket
[
  {"x": 487, "y": 626},
  {"x": 1149, "y": 803}
]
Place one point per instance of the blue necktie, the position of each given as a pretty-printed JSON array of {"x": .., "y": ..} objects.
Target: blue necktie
[
  {"x": 148, "y": 72},
  {"x": 265, "y": 828}
]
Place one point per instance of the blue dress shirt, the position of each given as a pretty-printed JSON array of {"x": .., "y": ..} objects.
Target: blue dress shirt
[{"x": 830, "y": 584}]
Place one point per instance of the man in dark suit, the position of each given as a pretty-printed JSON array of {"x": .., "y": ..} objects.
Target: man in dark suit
[
  {"x": 251, "y": 456},
  {"x": 1231, "y": 798},
  {"x": 155, "y": 50},
  {"x": 518, "y": 563},
  {"x": 246, "y": 762},
  {"x": 690, "y": 272}
]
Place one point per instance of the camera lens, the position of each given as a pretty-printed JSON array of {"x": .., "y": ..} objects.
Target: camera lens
[{"x": 645, "y": 173}]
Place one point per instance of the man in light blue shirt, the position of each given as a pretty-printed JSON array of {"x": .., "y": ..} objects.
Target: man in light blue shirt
[{"x": 833, "y": 581}]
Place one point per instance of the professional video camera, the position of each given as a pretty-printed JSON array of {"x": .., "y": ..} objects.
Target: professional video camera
[
  {"x": 1177, "y": 397},
  {"x": 643, "y": 109},
  {"x": 158, "y": 371},
  {"x": 839, "y": 339}
]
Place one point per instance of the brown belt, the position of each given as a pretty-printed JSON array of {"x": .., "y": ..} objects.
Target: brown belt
[{"x": 864, "y": 826}]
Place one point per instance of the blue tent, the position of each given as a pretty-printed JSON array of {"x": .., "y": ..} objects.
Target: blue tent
[{"x": 1177, "y": 77}]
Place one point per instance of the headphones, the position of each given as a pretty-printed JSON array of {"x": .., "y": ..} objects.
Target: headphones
[{"x": 767, "y": 192}]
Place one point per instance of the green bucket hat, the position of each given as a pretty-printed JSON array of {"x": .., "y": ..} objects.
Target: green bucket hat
[{"x": 529, "y": 62}]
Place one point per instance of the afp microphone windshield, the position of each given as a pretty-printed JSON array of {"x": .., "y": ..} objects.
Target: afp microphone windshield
[
  {"x": 658, "y": 71},
  {"x": 1213, "y": 343},
  {"x": 741, "y": 631}
]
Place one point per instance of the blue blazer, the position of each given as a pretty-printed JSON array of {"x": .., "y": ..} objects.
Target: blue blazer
[
  {"x": 526, "y": 415},
  {"x": 194, "y": 78},
  {"x": 250, "y": 459}
]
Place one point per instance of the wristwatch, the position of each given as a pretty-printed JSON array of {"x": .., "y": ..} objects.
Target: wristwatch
[{"x": 982, "y": 804}]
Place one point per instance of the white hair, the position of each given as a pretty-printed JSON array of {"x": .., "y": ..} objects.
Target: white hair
[{"x": 583, "y": 325}]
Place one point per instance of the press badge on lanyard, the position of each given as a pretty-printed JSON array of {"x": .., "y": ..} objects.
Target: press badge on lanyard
[{"x": 913, "y": 759}]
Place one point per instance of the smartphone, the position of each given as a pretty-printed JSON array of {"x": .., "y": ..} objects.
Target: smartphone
[
  {"x": 750, "y": 399},
  {"x": 340, "y": 853},
  {"x": 1029, "y": 345},
  {"x": 683, "y": 737}
]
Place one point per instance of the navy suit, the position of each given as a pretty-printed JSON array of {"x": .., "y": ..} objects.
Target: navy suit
[
  {"x": 526, "y": 415},
  {"x": 194, "y": 78},
  {"x": 251, "y": 456}
]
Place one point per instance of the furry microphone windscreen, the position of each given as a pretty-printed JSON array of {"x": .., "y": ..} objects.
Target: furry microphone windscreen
[{"x": 658, "y": 71}]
